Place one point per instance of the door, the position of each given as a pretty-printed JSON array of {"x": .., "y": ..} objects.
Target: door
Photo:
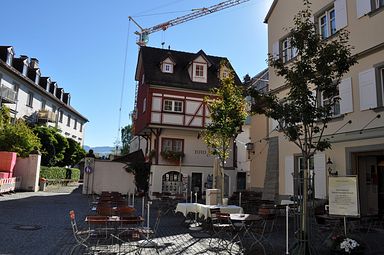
[
  {"x": 368, "y": 182},
  {"x": 196, "y": 184},
  {"x": 241, "y": 181}
]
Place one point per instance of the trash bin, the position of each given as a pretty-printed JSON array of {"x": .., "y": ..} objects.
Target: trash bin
[{"x": 42, "y": 184}]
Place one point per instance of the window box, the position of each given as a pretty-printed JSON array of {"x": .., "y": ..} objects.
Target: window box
[{"x": 172, "y": 155}]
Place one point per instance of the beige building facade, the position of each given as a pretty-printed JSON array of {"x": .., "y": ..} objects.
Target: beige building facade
[{"x": 357, "y": 129}]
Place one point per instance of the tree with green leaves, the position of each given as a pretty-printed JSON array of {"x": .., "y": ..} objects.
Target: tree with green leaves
[
  {"x": 53, "y": 145},
  {"x": 228, "y": 113},
  {"x": 73, "y": 153},
  {"x": 126, "y": 136},
  {"x": 18, "y": 138},
  {"x": 315, "y": 72}
]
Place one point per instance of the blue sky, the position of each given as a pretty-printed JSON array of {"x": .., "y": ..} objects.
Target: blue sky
[{"x": 82, "y": 45}]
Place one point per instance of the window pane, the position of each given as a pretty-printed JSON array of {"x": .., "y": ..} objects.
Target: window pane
[
  {"x": 332, "y": 22},
  {"x": 167, "y": 145},
  {"x": 178, "y": 106},
  {"x": 177, "y": 145},
  {"x": 199, "y": 70},
  {"x": 168, "y": 105}
]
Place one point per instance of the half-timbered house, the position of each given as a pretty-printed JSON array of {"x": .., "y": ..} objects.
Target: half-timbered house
[{"x": 170, "y": 112}]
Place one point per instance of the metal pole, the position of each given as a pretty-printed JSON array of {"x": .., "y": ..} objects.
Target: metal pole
[
  {"x": 240, "y": 199},
  {"x": 286, "y": 229},
  {"x": 142, "y": 206}
]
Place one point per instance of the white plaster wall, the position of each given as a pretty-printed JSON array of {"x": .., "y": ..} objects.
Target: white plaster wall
[
  {"x": 109, "y": 176},
  {"x": 157, "y": 171},
  {"x": 29, "y": 171}
]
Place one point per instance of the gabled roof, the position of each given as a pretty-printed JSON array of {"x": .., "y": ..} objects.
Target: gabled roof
[
  {"x": 270, "y": 11},
  {"x": 150, "y": 58}
]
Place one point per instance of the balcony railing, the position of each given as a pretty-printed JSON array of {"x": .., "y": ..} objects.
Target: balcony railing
[
  {"x": 8, "y": 95},
  {"x": 46, "y": 116}
]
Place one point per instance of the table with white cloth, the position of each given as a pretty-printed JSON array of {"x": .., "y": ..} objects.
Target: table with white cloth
[
  {"x": 204, "y": 210},
  {"x": 186, "y": 208}
]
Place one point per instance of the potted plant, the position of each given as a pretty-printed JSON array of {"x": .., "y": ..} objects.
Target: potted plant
[{"x": 172, "y": 155}]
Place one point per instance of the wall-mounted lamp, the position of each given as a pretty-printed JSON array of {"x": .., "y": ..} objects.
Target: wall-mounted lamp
[
  {"x": 329, "y": 166},
  {"x": 250, "y": 147}
]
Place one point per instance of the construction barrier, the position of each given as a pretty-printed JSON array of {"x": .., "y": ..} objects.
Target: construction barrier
[{"x": 9, "y": 184}]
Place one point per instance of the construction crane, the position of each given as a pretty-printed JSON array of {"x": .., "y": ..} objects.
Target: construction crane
[{"x": 197, "y": 13}]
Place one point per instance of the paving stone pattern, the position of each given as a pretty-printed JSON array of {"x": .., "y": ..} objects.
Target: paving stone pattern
[{"x": 37, "y": 223}]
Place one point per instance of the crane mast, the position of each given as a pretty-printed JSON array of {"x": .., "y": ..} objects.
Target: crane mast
[{"x": 197, "y": 13}]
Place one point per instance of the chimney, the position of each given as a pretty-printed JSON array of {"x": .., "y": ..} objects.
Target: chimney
[{"x": 34, "y": 63}]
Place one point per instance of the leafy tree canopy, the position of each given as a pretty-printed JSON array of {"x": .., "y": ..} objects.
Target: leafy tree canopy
[{"x": 228, "y": 113}]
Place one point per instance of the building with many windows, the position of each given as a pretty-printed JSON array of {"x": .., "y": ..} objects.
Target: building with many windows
[
  {"x": 357, "y": 128},
  {"x": 170, "y": 113},
  {"x": 35, "y": 98}
]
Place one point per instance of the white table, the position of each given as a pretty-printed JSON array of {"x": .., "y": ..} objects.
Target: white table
[
  {"x": 186, "y": 208},
  {"x": 204, "y": 210}
]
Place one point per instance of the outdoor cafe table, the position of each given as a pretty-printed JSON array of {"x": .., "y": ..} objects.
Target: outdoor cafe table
[
  {"x": 114, "y": 221},
  {"x": 204, "y": 210}
]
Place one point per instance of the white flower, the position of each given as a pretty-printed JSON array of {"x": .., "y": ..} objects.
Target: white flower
[{"x": 348, "y": 245}]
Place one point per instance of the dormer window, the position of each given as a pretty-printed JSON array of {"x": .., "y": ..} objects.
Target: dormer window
[
  {"x": 167, "y": 65},
  {"x": 25, "y": 68},
  {"x": 37, "y": 78},
  {"x": 10, "y": 57},
  {"x": 167, "y": 68},
  {"x": 199, "y": 72}
]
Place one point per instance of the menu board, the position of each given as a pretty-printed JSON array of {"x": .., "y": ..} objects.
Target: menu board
[{"x": 343, "y": 196}]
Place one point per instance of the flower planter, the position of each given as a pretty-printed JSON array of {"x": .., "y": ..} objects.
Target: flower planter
[{"x": 7, "y": 161}]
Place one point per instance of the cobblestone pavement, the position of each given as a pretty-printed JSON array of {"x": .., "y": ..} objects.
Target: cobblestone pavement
[{"x": 38, "y": 223}]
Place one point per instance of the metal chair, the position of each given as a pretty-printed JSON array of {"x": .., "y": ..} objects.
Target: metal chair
[
  {"x": 222, "y": 230},
  {"x": 81, "y": 236}
]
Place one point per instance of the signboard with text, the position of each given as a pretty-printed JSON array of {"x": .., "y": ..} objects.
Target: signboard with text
[{"x": 343, "y": 196}]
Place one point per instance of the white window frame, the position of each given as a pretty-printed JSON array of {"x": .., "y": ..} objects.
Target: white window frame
[
  {"x": 173, "y": 106},
  {"x": 172, "y": 144},
  {"x": 167, "y": 68},
  {"x": 288, "y": 52},
  {"x": 199, "y": 72},
  {"x": 336, "y": 107},
  {"x": 329, "y": 27},
  {"x": 30, "y": 99}
]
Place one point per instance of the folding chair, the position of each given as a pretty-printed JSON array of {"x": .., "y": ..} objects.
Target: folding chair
[
  {"x": 222, "y": 229},
  {"x": 149, "y": 234},
  {"x": 81, "y": 236}
]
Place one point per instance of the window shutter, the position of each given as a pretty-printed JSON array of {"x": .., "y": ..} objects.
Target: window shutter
[
  {"x": 346, "y": 100},
  {"x": 275, "y": 50},
  {"x": 289, "y": 169},
  {"x": 274, "y": 125},
  {"x": 320, "y": 175},
  {"x": 363, "y": 7},
  {"x": 367, "y": 89},
  {"x": 341, "y": 14}
]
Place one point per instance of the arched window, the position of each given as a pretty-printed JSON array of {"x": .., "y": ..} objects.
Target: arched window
[{"x": 171, "y": 182}]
